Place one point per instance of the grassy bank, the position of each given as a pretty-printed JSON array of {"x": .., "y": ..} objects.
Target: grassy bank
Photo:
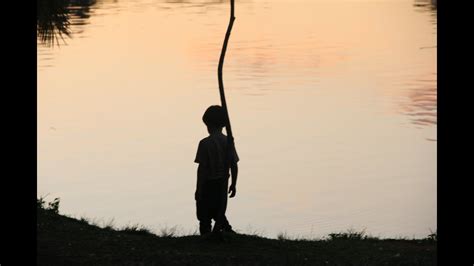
[{"x": 64, "y": 240}]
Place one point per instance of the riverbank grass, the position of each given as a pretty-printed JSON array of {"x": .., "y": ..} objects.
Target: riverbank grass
[{"x": 63, "y": 240}]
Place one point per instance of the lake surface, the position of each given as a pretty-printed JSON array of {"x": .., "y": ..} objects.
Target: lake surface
[{"x": 332, "y": 103}]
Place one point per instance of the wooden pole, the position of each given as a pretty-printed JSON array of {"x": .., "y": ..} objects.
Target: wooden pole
[{"x": 230, "y": 137}]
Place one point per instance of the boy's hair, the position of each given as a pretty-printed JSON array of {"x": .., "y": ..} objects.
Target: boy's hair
[{"x": 214, "y": 116}]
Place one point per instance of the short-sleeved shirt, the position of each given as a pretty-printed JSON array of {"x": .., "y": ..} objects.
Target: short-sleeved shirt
[{"x": 211, "y": 154}]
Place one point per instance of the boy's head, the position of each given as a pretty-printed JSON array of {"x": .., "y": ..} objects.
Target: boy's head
[{"x": 214, "y": 117}]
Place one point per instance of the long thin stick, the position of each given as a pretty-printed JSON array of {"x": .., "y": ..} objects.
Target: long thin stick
[{"x": 219, "y": 75}]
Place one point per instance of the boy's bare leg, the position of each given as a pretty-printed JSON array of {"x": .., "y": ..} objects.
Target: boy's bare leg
[
  {"x": 204, "y": 227},
  {"x": 203, "y": 215},
  {"x": 222, "y": 224}
]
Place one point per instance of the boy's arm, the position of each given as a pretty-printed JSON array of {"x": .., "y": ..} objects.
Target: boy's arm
[{"x": 234, "y": 169}]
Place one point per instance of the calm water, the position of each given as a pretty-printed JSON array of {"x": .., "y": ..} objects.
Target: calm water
[{"x": 333, "y": 107}]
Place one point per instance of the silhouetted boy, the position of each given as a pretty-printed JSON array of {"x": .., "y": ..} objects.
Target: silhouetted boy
[{"x": 213, "y": 174}]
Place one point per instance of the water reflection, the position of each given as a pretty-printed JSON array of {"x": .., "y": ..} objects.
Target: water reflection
[
  {"x": 52, "y": 21},
  {"x": 426, "y": 4},
  {"x": 55, "y": 18},
  {"x": 80, "y": 12},
  {"x": 429, "y": 6},
  {"x": 194, "y": 2},
  {"x": 81, "y": 8},
  {"x": 422, "y": 106},
  {"x": 341, "y": 64},
  {"x": 194, "y": 7}
]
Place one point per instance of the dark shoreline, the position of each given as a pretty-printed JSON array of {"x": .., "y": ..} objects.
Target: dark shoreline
[{"x": 62, "y": 240}]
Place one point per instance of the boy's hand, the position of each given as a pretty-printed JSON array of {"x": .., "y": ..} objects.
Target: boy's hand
[
  {"x": 232, "y": 191},
  {"x": 197, "y": 195}
]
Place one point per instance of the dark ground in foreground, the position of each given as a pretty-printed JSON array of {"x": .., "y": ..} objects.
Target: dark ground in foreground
[{"x": 63, "y": 240}]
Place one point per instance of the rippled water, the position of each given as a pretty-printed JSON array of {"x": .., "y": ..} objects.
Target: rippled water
[{"x": 332, "y": 103}]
